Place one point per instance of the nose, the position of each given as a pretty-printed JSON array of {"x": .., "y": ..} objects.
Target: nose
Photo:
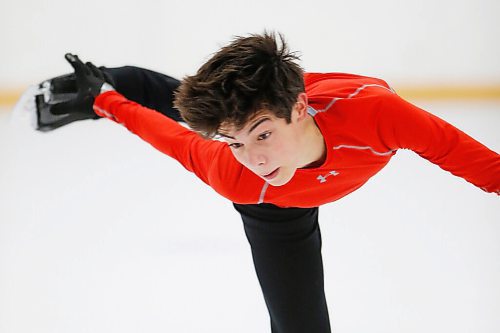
[{"x": 256, "y": 158}]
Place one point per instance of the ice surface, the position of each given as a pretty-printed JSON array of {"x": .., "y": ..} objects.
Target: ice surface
[{"x": 99, "y": 232}]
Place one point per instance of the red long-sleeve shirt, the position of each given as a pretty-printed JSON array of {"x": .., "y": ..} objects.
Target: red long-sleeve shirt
[{"x": 363, "y": 123}]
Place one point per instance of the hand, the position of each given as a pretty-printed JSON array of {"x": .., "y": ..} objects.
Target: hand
[
  {"x": 70, "y": 97},
  {"x": 89, "y": 80}
]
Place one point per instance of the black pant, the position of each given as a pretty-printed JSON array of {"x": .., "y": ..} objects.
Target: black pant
[
  {"x": 286, "y": 250},
  {"x": 148, "y": 88},
  {"x": 285, "y": 242}
]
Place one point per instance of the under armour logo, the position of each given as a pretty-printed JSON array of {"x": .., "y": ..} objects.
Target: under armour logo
[{"x": 322, "y": 179}]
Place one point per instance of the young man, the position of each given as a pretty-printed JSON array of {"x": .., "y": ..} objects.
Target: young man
[{"x": 292, "y": 142}]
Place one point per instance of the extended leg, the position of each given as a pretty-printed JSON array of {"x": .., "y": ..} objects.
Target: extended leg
[{"x": 146, "y": 87}]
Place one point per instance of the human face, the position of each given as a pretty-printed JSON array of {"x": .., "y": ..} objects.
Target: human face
[{"x": 268, "y": 146}]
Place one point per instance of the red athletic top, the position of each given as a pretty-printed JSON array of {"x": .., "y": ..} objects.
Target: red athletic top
[{"x": 363, "y": 122}]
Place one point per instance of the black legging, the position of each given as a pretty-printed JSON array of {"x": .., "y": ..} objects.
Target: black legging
[
  {"x": 148, "y": 88},
  {"x": 286, "y": 250},
  {"x": 285, "y": 242}
]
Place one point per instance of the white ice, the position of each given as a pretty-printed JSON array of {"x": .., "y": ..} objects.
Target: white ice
[{"x": 101, "y": 233}]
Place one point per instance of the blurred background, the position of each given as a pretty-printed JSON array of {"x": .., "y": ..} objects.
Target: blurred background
[
  {"x": 409, "y": 43},
  {"x": 101, "y": 233}
]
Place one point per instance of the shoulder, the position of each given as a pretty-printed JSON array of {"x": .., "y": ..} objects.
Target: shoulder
[
  {"x": 340, "y": 92},
  {"x": 340, "y": 84}
]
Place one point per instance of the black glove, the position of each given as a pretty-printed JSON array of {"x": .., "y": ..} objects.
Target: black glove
[
  {"x": 89, "y": 80},
  {"x": 68, "y": 98}
]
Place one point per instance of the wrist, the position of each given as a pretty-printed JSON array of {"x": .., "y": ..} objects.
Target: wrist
[{"x": 106, "y": 87}]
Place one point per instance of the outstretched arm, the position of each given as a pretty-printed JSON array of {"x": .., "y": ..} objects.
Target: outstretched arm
[
  {"x": 403, "y": 125},
  {"x": 210, "y": 160}
]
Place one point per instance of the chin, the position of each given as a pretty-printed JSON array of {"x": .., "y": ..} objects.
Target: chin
[{"x": 282, "y": 178}]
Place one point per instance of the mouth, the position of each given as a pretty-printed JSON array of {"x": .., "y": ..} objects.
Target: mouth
[{"x": 271, "y": 175}]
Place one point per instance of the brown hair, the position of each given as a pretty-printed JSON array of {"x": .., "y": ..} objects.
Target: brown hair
[{"x": 250, "y": 74}]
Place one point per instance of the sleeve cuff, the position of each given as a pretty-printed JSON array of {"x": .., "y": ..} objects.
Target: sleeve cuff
[{"x": 106, "y": 87}]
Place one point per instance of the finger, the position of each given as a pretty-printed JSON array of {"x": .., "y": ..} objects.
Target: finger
[
  {"x": 96, "y": 71},
  {"x": 63, "y": 107},
  {"x": 63, "y": 84},
  {"x": 77, "y": 64}
]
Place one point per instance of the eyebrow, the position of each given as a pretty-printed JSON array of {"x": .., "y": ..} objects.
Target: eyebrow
[
  {"x": 257, "y": 124},
  {"x": 226, "y": 136},
  {"x": 254, "y": 126}
]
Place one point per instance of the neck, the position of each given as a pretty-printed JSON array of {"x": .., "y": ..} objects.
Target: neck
[{"x": 314, "y": 145}]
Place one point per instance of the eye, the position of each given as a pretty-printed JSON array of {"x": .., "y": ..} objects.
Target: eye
[
  {"x": 264, "y": 135},
  {"x": 235, "y": 145}
]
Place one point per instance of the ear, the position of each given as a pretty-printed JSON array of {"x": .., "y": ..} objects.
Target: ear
[{"x": 300, "y": 107}]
